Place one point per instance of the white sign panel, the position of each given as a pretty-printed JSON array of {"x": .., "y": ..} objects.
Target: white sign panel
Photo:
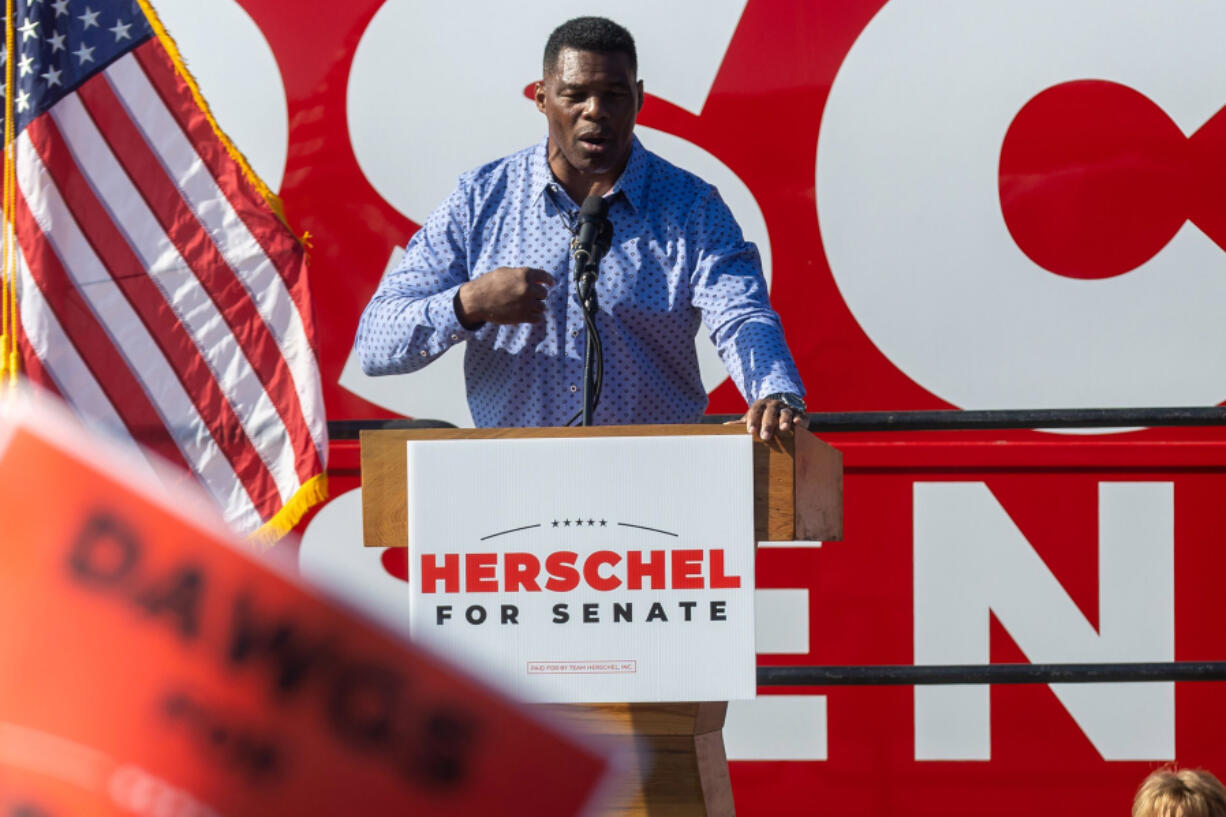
[{"x": 588, "y": 570}]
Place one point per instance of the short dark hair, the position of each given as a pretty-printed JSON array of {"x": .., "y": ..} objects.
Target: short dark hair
[{"x": 597, "y": 34}]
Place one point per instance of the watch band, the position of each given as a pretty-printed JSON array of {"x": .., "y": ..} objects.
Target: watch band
[{"x": 790, "y": 399}]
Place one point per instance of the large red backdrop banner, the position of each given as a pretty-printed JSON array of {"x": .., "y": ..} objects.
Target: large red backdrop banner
[{"x": 963, "y": 205}]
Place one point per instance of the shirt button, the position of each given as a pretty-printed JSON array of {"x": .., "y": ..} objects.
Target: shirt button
[
  {"x": 574, "y": 388},
  {"x": 574, "y": 333},
  {"x": 454, "y": 336},
  {"x": 423, "y": 353}
]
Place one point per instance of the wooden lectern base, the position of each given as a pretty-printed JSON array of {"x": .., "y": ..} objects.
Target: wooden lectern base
[{"x": 676, "y": 750}]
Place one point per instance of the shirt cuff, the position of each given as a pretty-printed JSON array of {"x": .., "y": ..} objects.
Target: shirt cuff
[
  {"x": 455, "y": 308},
  {"x": 446, "y": 322}
]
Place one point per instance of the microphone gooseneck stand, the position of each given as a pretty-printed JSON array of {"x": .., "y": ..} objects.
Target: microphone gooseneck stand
[
  {"x": 592, "y": 240},
  {"x": 593, "y": 355}
]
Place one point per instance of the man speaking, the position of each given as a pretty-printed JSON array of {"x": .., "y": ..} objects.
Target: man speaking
[{"x": 490, "y": 268}]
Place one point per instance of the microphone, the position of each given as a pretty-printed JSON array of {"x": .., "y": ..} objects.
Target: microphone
[
  {"x": 594, "y": 234},
  {"x": 593, "y": 237}
]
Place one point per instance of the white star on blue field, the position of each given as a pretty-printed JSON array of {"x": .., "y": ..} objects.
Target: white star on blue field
[{"x": 61, "y": 44}]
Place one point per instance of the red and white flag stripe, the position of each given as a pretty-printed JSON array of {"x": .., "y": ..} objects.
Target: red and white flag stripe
[
  {"x": 161, "y": 294},
  {"x": 51, "y": 359}
]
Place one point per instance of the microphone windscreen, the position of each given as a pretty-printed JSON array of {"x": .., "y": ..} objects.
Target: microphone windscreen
[{"x": 594, "y": 208}]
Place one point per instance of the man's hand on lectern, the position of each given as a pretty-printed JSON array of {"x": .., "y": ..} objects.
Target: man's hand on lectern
[
  {"x": 770, "y": 414},
  {"x": 504, "y": 295}
]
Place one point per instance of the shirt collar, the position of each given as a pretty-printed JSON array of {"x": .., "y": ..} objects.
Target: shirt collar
[
  {"x": 632, "y": 183},
  {"x": 540, "y": 175},
  {"x": 633, "y": 180}
]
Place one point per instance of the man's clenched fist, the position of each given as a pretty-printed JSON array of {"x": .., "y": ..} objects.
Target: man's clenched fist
[{"x": 504, "y": 295}]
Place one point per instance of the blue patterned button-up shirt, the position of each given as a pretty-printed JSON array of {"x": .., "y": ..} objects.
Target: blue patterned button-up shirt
[{"x": 678, "y": 259}]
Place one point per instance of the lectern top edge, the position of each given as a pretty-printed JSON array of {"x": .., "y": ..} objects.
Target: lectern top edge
[
  {"x": 798, "y": 479},
  {"x": 553, "y": 432}
]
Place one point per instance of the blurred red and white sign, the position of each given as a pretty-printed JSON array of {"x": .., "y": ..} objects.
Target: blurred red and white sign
[{"x": 152, "y": 666}]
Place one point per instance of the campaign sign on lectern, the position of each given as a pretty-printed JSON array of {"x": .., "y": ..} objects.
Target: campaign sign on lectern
[{"x": 588, "y": 570}]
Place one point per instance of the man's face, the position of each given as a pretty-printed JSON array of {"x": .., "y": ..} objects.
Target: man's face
[{"x": 590, "y": 101}]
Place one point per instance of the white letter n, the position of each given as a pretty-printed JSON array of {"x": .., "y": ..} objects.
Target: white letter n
[{"x": 970, "y": 558}]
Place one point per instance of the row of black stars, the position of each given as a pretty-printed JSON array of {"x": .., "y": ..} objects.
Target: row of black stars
[{"x": 591, "y": 523}]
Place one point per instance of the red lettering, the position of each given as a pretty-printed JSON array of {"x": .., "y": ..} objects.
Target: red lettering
[
  {"x": 591, "y": 570},
  {"x": 687, "y": 570},
  {"x": 563, "y": 577},
  {"x": 653, "y": 569},
  {"x": 449, "y": 572},
  {"x": 718, "y": 579},
  {"x": 521, "y": 569},
  {"x": 481, "y": 572}
]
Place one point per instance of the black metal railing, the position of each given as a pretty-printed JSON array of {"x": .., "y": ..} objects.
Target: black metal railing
[
  {"x": 941, "y": 420},
  {"x": 908, "y": 675},
  {"x": 1001, "y": 419}
]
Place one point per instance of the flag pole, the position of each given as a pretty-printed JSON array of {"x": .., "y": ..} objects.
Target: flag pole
[{"x": 8, "y": 279}]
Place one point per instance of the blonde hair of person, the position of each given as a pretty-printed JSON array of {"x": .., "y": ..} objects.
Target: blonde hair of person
[{"x": 1180, "y": 793}]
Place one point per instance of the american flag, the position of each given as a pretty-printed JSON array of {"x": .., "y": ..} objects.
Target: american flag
[{"x": 159, "y": 291}]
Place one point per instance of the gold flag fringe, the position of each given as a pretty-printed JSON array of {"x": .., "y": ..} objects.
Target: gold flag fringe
[
  {"x": 312, "y": 492},
  {"x": 176, "y": 57}
]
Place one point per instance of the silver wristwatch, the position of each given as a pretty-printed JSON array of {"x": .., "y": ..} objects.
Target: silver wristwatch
[{"x": 789, "y": 399}]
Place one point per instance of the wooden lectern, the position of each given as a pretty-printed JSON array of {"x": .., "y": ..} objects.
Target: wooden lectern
[{"x": 679, "y": 767}]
